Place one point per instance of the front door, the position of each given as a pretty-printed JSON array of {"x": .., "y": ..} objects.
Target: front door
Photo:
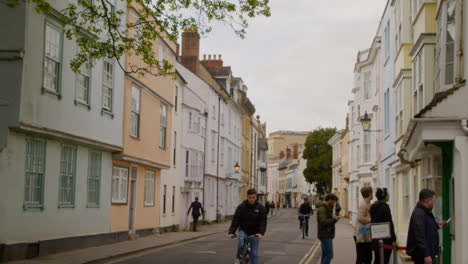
[{"x": 132, "y": 211}]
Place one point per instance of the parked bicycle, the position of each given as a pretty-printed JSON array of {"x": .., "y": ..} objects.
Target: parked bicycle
[
  {"x": 246, "y": 253},
  {"x": 303, "y": 219},
  {"x": 220, "y": 217}
]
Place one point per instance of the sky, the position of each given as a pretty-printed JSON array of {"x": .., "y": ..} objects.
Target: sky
[{"x": 298, "y": 63}]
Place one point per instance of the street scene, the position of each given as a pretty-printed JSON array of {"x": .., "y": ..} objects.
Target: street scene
[{"x": 233, "y": 131}]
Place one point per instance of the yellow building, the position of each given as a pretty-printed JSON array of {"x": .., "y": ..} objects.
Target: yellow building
[
  {"x": 248, "y": 111},
  {"x": 146, "y": 151},
  {"x": 402, "y": 91}
]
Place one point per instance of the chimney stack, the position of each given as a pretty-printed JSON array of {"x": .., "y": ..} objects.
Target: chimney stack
[
  {"x": 212, "y": 61},
  {"x": 288, "y": 153},
  {"x": 281, "y": 154},
  {"x": 191, "y": 50},
  {"x": 295, "y": 151}
]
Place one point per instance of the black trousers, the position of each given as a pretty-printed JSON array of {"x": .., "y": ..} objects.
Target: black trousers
[
  {"x": 363, "y": 252},
  {"x": 387, "y": 254},
  {"x": 420, "y": 260},
  {"x": 195, "y": 222}
]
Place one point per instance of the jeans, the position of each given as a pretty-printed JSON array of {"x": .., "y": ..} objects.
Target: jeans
[
  {"x": 253, "y": 247},
  {"x": 306, "y": 220},
  {"x": 327, "y": 250}
]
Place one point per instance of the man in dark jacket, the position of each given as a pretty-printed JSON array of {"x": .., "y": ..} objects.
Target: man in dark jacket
[
  {"x": 251, "y": 219},
  {"x": 267, "y": 207},
  {"x": 196, "y": 208},
  {"x": 305, "y": 209},
  {"x": 326, "y": 226},
  {"x": 423, "y": 238}
]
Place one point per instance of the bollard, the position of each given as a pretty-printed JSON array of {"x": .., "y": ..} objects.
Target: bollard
[
  {"x": 395, "y": 254},
  {"x": 381, "y": 252}
]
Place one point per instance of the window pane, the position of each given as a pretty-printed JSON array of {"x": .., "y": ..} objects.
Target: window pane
[{"x": 66, "y": 185}]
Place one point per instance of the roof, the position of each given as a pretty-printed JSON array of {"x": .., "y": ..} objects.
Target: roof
[
  {"x": 438, "y": 97},
  {"x": 291, "y": 132},
  {"x": 219, "y": 71}
]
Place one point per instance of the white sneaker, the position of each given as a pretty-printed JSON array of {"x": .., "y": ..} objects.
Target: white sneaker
[{"x": 237, "y": 261}]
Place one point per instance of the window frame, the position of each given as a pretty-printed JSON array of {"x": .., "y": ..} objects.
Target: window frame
[
  {"x": 108, "y": 110},
  {"x": 98, "y": 169},
  {"x": 135, "y": 113},
  {"x": 79, "y": 101},
  {"x": 120, "y": 179},
  {"x": 163, "y": 126},
  {"x": 62, "y": 203},
  {"x": 150, "y": 188},
  {"x": 29, "y": 204},
  {"x": 367, "y": 83},
  {"x": 58, "y": 26}
]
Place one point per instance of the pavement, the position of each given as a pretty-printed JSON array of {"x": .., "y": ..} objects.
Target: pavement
[{"x": 282, "y": 243}]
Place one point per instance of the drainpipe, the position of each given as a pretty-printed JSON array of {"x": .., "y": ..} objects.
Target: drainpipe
[
  {"x": 464, "y": 125},
  {"x": 459, "y": 70},
  {"x": 217, "y": 160},
  {"x": 204, "y": 159}
]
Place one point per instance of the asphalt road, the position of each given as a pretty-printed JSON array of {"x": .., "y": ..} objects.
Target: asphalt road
[{"x": 282, "y": 243}]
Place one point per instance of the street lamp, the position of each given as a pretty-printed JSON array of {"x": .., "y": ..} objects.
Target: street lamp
[
  {"x": 365, "y": 121},
  {"x": 236, "y": 167}
]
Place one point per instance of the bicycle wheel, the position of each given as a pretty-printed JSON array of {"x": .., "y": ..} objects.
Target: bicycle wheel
[{"x": 244, "y": 258}]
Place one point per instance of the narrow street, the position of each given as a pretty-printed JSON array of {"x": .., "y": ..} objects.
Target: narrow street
[{"x": 282, "y": 243}]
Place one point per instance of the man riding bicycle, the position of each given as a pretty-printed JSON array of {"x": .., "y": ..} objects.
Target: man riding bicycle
[
  {"x": 251, "y": 219},
  {"x": 305, "y": 211}
]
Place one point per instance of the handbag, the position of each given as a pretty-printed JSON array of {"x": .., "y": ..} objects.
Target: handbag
[{"x": 363, "y": 233}]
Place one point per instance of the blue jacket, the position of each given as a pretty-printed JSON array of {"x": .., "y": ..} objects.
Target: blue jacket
[{"x": 423, "y": 235}]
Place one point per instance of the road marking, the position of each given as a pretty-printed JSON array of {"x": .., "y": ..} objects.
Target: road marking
[
  {"x": 313, "y": 253},
  {"x": 306, "y": 255},
  {"x": 206, "y": 252},
  {"x": 275, "y": 252}
]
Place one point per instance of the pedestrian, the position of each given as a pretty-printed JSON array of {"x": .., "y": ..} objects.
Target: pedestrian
[
  {"x": 272, "y": 205},
  {"x": 362, "y": 228},
  {"x": 251, "y": 219},
  {"x": 196, "y": 208},
  {"x": 423, "y": 236},
  {"x": 380, "y": 213},
  {"x": 267, "y": 207},
  {"x": 305, "y": 211},
  {"x": 277, "y": 205},
  {"x": 326, "y": 226}
]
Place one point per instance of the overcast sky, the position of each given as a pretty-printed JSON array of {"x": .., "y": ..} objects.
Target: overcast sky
[{"x": 298, "y": 64}]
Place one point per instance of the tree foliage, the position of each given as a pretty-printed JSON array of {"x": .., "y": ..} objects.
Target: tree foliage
[
  {"x": 101, "y": 31},
  {"x": 319, "y": 159}
]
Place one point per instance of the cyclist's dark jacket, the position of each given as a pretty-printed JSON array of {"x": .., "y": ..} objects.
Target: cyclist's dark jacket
[
  {"x": 305, "y": 209},
  {"x": 252, "y": 219}
]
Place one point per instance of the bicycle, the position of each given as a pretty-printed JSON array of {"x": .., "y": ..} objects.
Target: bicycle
[
  {"x": 246, "y": 253},
  {"x": 303, "y": 224},
  {"x": 220, "y": 218}
]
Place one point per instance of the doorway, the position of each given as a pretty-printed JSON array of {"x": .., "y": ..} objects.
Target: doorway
[{"x": 132, "y": 203}]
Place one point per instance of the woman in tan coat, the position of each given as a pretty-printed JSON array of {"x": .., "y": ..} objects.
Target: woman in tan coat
[{"x": 364, "y": 250}]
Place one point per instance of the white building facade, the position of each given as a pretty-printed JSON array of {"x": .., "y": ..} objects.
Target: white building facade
[{"x": 57, "y": 134}]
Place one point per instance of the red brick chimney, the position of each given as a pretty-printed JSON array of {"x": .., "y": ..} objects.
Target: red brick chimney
[
  {"x": 281, "y": 154},
  {"x": 288, "y": 153},
  {"x": 295, "y": 151},
  {"x": 191, "y": 50},
  {"x": 212, "y": 61}
]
